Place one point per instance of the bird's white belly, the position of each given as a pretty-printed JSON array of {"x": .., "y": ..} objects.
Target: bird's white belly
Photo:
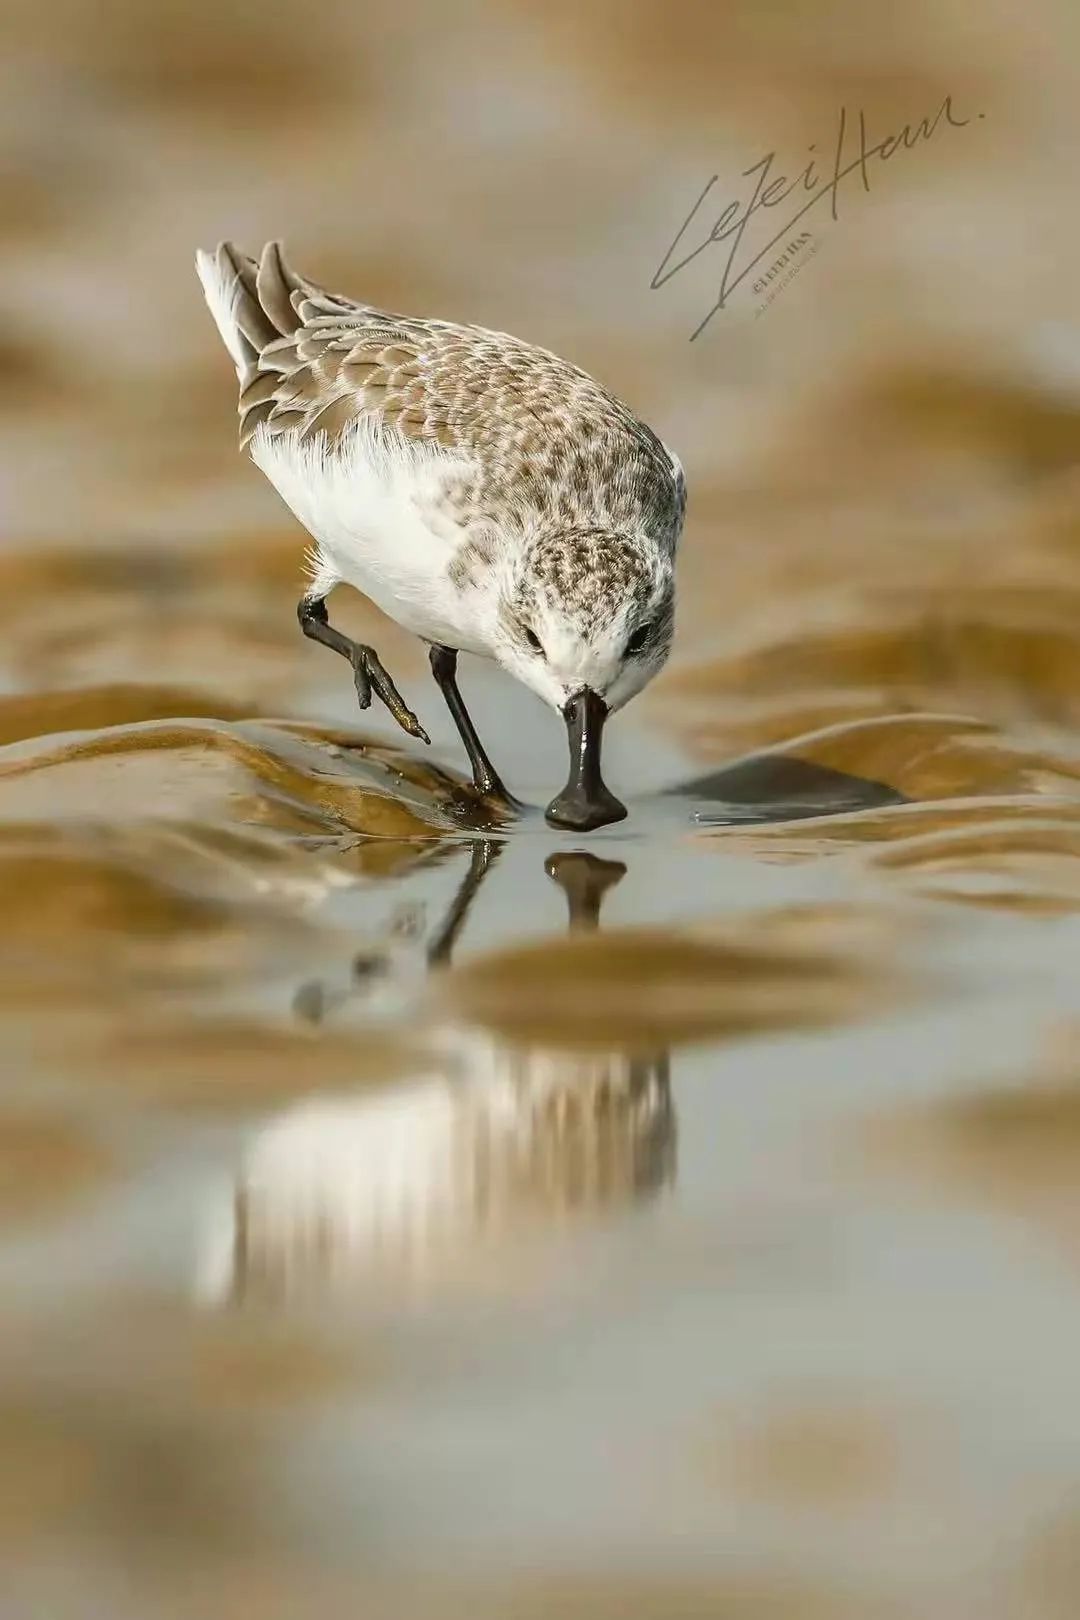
[{"x": 374, "y": 511}]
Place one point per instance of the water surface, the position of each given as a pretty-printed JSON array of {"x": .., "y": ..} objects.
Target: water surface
[{"x": 408, "y": 1210}]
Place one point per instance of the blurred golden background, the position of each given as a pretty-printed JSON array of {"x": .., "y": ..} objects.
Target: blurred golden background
[{"x": 368, "y": 1242}]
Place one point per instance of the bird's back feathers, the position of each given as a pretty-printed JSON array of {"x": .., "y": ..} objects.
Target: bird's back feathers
[{"x": 542, "y": 436}]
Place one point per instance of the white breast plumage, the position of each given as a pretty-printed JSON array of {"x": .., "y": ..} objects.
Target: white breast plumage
[{"x": 373, "y": 503}]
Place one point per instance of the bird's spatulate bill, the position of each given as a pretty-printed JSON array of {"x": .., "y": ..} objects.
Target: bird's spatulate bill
[{"x": 585, "y": 802}]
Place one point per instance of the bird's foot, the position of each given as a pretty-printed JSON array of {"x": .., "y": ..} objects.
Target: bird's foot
[
  {"x": 370, "y": 676},
  {"x": 489, "y": 784}
]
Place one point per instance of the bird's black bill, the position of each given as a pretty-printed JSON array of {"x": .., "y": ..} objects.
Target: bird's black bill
[{"x": 585, "y": 802}]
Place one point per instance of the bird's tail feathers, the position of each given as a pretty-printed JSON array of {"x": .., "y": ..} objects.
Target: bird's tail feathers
[{"x": 252, "y": 303}]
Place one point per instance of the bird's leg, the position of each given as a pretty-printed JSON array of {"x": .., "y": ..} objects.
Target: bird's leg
[
  {"x": 485, "y": 776},
  {"x": 483, "y": 854},
  {"x": 368, "y": 673}
]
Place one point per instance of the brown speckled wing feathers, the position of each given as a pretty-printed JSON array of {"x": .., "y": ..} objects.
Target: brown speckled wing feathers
[{"x": 539, "y": 432}]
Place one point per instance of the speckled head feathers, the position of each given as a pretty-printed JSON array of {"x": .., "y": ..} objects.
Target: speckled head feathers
[
  {"x": 589, "y": 607},
  {"x": 592, "y": 571}
]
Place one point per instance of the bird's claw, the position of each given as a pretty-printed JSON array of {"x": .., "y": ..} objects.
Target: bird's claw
[
  {"x": 370, "y": 675},
  {"x": 360, "y": 681}
]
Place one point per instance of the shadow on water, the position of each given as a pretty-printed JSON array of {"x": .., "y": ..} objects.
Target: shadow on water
[{"x": 780, "y": 787}]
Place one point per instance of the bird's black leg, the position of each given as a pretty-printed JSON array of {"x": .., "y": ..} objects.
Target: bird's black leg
[
  {"x": 485, "y": 776},
  {"x": 368, "y": 673},
  {"x": 483, "y": 854}
]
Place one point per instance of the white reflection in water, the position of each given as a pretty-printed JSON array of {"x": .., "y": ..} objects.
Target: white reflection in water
[{"x": 409, "y": 1183}]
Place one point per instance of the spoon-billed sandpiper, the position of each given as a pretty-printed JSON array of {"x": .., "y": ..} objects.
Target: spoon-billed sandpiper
[{"x": 484, "y": 493}]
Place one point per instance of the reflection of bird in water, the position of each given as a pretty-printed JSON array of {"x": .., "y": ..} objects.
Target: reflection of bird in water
[{"x": 421, "y": 1178}]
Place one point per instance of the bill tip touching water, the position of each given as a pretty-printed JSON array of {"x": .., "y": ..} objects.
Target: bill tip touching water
[{"x": 484, "y": 493}]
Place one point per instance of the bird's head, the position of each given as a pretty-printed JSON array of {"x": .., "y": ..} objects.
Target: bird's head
[{"x": 586, "y": 620}]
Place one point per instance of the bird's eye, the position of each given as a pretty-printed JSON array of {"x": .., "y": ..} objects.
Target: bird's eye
[
  {"x": 534, "y": 641},
  {"x": 639, "y": 639}
]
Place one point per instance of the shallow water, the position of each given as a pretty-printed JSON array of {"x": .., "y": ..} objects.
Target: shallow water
[
  {"x": 405, "y": 1204},
  {"x": 406, "y": 1209}
]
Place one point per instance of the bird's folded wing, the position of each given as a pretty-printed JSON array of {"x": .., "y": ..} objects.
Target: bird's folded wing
[{"x": 311, "y": 361}]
